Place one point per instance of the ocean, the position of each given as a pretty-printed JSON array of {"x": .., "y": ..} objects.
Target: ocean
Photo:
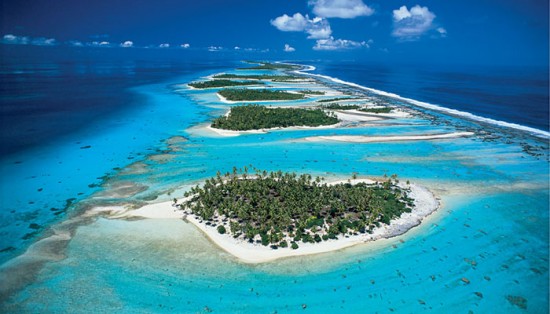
[{"x": 86, "y": 129}]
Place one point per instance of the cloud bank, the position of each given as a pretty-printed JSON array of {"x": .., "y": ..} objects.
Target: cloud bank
[
  {"x": 340, "y": 44},
  {"x": 25, "y": 40}
]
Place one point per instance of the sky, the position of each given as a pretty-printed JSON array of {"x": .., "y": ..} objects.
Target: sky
[{"x": 455, "y": 32}]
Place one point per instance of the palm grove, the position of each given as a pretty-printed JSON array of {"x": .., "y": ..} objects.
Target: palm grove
[{"x": 276, "y": 208}]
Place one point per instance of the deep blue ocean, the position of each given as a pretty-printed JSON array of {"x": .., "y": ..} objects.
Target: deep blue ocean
[
  {"x": 506, "y": 93},
  {"x": 84, "y": 128}
]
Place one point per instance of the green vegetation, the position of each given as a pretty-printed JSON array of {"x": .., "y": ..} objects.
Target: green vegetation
[
  {"x": 312, "y": 92},
  {"x": 334, "y": 99},
  {"x": 270, "y": 66},
  {"x": 241, "y": 94},
  {"x": 377, "y": 110},
  {"x": 274, "y": 207},
  {"x": 222, "y": 83},
  {"x": 252, "y": 117},
  {"x": 274, "y": 78},
  {"x": 336, "y": 106}
]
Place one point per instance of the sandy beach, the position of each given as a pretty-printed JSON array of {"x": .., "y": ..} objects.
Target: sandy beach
[
  {"x": 425, "y": 204},
  {"x": 373, "y": 139}
]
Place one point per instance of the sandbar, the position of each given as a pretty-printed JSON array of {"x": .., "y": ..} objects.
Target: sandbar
[{"x": 373, "y": 139}]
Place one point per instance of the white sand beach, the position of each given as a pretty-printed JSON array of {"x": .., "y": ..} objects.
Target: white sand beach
[
  {"x": 373, "y": 139},
  {"x": 424, "y": 200}
]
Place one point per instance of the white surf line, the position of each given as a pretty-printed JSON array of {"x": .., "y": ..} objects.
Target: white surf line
[{"x": 468, "y": 115}]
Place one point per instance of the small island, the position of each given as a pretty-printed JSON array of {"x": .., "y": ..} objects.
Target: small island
[
  {"x": 243, "y": 94},
  {"x": 222, "y": 83},
  {"x": 255, "y": 117},
  {"x": 335, "y": 99},
  {"x": 274, "y": 78},
  {"x": 337, "y": 106},
  {"x": 285, "y": 210},
  {"x": 270, "y": 66}
]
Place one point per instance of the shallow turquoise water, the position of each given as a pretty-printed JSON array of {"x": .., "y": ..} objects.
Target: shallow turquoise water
[{"x": 492, "y": 230}]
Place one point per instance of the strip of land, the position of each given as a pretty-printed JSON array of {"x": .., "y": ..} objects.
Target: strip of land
[{"x": 373, "y": 139}]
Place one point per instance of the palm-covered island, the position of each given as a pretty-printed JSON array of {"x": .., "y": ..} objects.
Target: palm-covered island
[
  {"x": 269, "y": 66},
  {"x": 222, "y": 83},
  {"x": 283, "y": 209},
  {"x": 269, "y": 77},
  {"x": 336, "y": 106},
  {"x": 243, "y": 94},
  {"x": 254, "y": 117}
]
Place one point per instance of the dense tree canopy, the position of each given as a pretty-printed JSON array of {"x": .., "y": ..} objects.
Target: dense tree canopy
[
  {"x": 337, "y": 106},
  {"x": 253, "y": 117},
  {"x": 377, "y": 110},
  {"x": 222, "y": 83},
  {"x": 334, "y": 99},
  {"x": 276, "y": 78},
  {"x": 240, "y": 94},
  {"x": 270, "y": 66},
  {"x": 278, "y": 206}
]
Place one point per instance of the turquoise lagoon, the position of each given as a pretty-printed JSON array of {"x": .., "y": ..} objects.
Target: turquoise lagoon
[{"x": 485, "y": 250}]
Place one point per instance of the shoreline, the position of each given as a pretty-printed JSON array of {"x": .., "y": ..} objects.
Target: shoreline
[
  {"x": 254, "y": 253},
  {"x": 421, "y": 104},
  {"x": 231, "y": 133}
]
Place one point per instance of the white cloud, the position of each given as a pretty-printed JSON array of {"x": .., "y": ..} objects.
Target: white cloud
[
  {"x": 214, "y": 48},
  {"x": 442, "y": 31},
  {"x": 345, "y": 9},
  {"x": 340, "y": 44},
  {"x": 411, "y": 24},
  {"x": 127, "y": 44},
  {"x": 76, "y": 43},
  {"x": 165, "y": 45},
  {"x": 289, "y": 49},
  {"x": 295, "y": 23},
  {"x": 24, "y": 40},
  {"x": 237, "y": 48},
  {"x": 185, "y": 46},
  {"x": 317, "y": 28},
  {"x": 15, "y": 40},
  {"x": 41, "y": 41}
]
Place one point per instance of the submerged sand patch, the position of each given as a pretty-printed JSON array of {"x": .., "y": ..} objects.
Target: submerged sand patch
[{"x": 381, "y": 139}]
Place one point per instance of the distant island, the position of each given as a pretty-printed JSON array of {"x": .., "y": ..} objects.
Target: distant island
[
  {"x": 255, "y": 117},
  {"x": 274, "y": 78},
  {"x": 222, "y": 83},
  {"x": 270, "y": 66},
  {"x": 282, "y": 209},
  {"x": 243, "y": 94},
  {"x": 336, "y": 106}
]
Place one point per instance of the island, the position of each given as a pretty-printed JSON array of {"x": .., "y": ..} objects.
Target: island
[
  {"x": 273, "y": 78},
  {"x": 335, "y": 99},
  {"x": 244, "y": 94},
  {"x": 255, "y": 117},
  {"x": 270, "y": 66},
  {"x": 282, "y": 209},
  {"x": 222, "y": 83},
  {"x": 377, "y": 109}
]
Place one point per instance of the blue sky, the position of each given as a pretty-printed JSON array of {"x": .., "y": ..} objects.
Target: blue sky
[{"x": 455, "y": 32}]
